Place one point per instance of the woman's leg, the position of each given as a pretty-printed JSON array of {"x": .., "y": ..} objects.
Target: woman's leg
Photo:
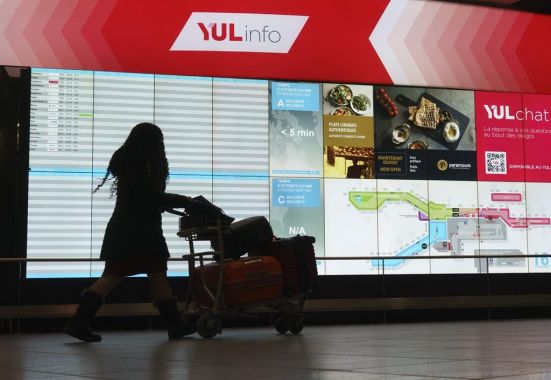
[
  {"x": 91, "y": 300},
  {"x": 105, "y": 283},
  {"x": 168, "y": 308},
  {"x": 160, "y": 287}
]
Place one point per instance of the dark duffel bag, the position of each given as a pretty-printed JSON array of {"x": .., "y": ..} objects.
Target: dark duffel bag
[
  {"x": 298, "y": 262},
  {"x": 200, "y": 212},
  {"x": 244, "y": 235}
]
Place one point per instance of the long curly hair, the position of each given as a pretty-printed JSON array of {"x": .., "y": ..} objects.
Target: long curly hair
[{"x": 144, "y": 148}]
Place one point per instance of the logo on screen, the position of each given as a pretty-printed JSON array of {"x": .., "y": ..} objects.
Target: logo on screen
[
  {"x": 239, "y": 32},
  {"x": 504, "y": 112}
]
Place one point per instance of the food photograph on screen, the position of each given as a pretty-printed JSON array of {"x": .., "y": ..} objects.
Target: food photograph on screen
[
  {"x": 424, "y": 132},
  {"x": 348, "y": 131},
  {"x": 424, "y": 118}
]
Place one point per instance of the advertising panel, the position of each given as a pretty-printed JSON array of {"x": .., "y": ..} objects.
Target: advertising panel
[
  {"x": 500, "y": 137},
  {"x": 536, "y": 119},
  {"x": 348, "y": 131},
  {"x": 424, "y": 133}
]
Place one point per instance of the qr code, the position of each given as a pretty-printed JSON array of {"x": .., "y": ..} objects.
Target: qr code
[{"x": 496, "y": 163}]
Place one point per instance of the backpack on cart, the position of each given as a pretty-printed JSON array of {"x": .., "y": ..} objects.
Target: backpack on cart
[
  {"x": 200, "y": 212},
  {"x": 245, "y": 235},
  {"x": 298, "y": 262}
]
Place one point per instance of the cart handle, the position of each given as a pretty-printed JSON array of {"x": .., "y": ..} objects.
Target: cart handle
[
  {"x": 197, "y": 254},
  {"x": 172, "y": 211}
]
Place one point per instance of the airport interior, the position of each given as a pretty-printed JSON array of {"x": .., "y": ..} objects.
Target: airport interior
[{"x": 320, "y": 190}]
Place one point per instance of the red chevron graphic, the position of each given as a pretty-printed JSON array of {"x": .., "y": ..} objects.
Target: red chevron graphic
[
  {"x": 511, "y": 56},
  {"x": 407, "y": 42},
  {"x": 463, "y": 46},
  {"x": 7, "y": 55},
  {"x": 482, "y": 44},
  {"x": 35, "y": 33},
  {"x": 496, "y": 68},
  {"x": 93, "y": 34},
  {"x": 14, "y": 32},
  {"x": 454, "y": 42},
  {"x": 75, "y": 38},
  {"x": 55, "y": 36},
  {"x": 430, "y": 40},
  {"x": 533, "y": 52}
]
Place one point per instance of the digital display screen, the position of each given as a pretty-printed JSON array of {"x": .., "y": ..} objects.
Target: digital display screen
[
  {"x": 368, "y": 171},
  {"x": 216, "y": 139}
]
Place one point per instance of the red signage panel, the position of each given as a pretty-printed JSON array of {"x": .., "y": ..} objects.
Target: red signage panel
[
  {"x": 536, "y": 115},
  {"x": 499, "y": 137}
]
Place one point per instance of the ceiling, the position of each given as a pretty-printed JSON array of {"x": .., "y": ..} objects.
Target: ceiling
[{"x": 537, "y": 6}]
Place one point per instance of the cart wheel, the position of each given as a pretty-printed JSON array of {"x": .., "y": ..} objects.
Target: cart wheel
[
  {"x": 282, "y": 325},
  {"x": 208, "y": 326},
  {"x": 296, "y": 325}
]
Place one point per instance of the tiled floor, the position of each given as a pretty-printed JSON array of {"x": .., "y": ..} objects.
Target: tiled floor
[{"x": 458, "y": 350}]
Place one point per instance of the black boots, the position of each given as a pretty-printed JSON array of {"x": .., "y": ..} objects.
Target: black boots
[
  {"x": 178, "y": 326},
  {"x": 79, "y": 325}
]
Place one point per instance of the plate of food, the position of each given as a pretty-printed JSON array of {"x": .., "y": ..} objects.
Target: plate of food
[
  {"x": 418, "y": 144},
  {"x": 451, "y": 132},
  {"x": 401, "y": 133},
  {"x": 438, "y": 120},
  {"x": 360, "y": 104},
  {"x": 342, "y": 111},
  {"x": 340, "y": 95}
]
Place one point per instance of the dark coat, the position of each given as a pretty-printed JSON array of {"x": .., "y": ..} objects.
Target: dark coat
[{"x": 134, "y": 230}]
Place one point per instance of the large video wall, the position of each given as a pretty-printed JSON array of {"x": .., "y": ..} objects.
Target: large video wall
[{"x": 368, "y": 170}]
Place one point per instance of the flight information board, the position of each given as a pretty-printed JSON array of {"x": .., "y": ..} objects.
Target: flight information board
[{"x": 216, "y": 138}]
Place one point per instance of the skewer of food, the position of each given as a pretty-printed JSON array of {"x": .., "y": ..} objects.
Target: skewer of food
[{"x": 387, "y": 103}]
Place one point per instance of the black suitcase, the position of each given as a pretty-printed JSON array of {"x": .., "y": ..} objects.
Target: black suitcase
[{"x": 244, "y": 235}]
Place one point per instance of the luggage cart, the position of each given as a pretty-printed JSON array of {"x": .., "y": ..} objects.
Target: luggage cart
[{"x": 210, "y": 315}]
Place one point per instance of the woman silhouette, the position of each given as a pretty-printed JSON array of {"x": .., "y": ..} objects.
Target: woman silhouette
[{"x": 134, "y": 241}]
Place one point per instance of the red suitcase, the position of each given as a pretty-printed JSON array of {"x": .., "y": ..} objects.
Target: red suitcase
[
  {"x": 298, "y": 262},
  {"x": 247, "y": 281}
]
